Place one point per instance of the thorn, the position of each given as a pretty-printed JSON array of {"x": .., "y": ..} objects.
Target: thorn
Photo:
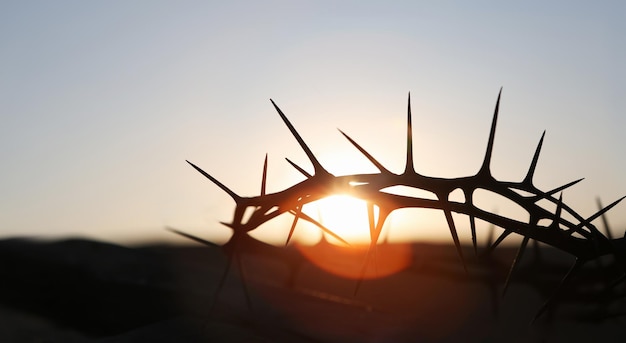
[
  {"x": 499, "y": 240},
  {"x": 455, "y": 237},
  {"x": 599, "y": 213},
  {"x": 605, "y": 222},
  {"x": 371, "y": 220},
  {"x": 192, "y": 237},
  {"x": 375, "y": 234},
  {"x": 557, "y": 213},
  {"x": 382, "y": 217},
  {"x": 484, "y": 169},
  {"x": 219, "y": 184},
  {"x": 298, "y": 168},
  {"x": 573, "y": 270},
  {"x": 558, "y": 189},
  {"x": 316, "y": 164},
  {"x": 229, "y": 225},
  {"x": 531, "y": 171},
  {"x": 378, "y": 165},
  {"x": 295, "y": 221},
  {"x": 473, "y": 230},
  {"x": 516, "y": 261},
  {"x": 322, "y": 227},
  {"x": 410, "y": 167},
  {"x": 264, "y": 178}
]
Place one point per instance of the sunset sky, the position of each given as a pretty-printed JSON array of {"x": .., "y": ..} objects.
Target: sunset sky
[{"x": 102, "y": 102}]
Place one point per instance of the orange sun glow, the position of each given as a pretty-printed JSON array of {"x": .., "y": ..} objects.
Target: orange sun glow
[{"x": 347, "y": 217}]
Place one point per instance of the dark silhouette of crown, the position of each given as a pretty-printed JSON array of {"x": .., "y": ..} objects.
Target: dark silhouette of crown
[{"x": 578, "y": 237}]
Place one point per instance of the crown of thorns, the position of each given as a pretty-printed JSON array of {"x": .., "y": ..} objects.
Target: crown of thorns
[{"x": 579, "y": 237}]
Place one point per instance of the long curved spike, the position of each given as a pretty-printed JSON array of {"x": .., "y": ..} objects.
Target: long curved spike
[
  {"x": 316, "y": 164},
  {"x": 599, "y": 213},
  {"x": 531, "y": 171},
  {"x": 455, "y": 237},
  {"x": 322, "y": 227},
  {"x": 516, "y": 261},
  {"x": 410, "y": 167},
  {"x": 192, "y": 237},
  {"x": 297, "y": 214},
  {"x": 264, "y": 177},
  {"x": 561, "y": 188},
  {"x": 499, "y": 240},
  {"x": 605, "y": 221},
  {"x": 214, "y": 180},
  {"x": 378, "y": 165},
  {"x": 557, "y": 213},
  {"x": 573, "y": 270},
  {"x": 371, "y": 220},
  {"x": 298, "y": 168},
  {"x": 485, "y": 168},
  {"x": 473, "y": 232},
  {"x": 382, "y": 216},
  {"x": 228, "y": 225}
]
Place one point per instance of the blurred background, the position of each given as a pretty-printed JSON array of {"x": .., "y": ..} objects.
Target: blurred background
[{"x": 101, "y": 103}]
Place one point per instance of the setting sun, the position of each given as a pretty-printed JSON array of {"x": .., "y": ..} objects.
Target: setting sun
[{"x": 344, "y": 215}]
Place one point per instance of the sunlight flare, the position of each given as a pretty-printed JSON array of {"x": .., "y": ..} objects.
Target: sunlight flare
[{"x": 343, "y": 214}]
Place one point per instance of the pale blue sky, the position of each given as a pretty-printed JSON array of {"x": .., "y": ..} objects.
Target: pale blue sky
[{"x": 101, "y": 102}]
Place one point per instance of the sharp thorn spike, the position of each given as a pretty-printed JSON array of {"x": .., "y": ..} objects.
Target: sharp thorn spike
[
  {"x": 322, "y": 227},
  {"x": 561, "y": 188},
  {"x": 599, "y": 213},
  {"x": 316, "y": 164},
  {"x": 214, "y": 180},
  {"x": 264, "y": 178},
  {"x": 298, "y": 168},
  {"x": 371, "y": 220},
  {"x": 192, "y": 237},
  {"x": 499, "y": 240},
  {"x": 378, "y": 165},
  {"x": 516, "y": 261},
  {"x": 531, "y": 171},
  {"x": 557, "y": 213},
  {"x": 455, "y": 237},
  {"x": 382, "y": 217},
  {"x": 297, "y": 214},
  {"x": 229, "y": 225},
  {"x": 410, "y": 167},
  {"x": 485, "y": 168},
  {"x": 605, "y": 221},
  {"x": 473, "y": 231},
  {"x": 557, "y": 293}
]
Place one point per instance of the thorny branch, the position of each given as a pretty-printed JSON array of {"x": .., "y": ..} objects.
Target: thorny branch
[{"x": 579, "y": 238}]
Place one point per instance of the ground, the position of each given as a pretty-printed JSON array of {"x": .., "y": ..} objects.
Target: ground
[{"x": 85, "y": 291}]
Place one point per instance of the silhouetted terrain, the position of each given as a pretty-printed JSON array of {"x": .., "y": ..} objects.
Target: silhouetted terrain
[{"x": 85, "y": 291}]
